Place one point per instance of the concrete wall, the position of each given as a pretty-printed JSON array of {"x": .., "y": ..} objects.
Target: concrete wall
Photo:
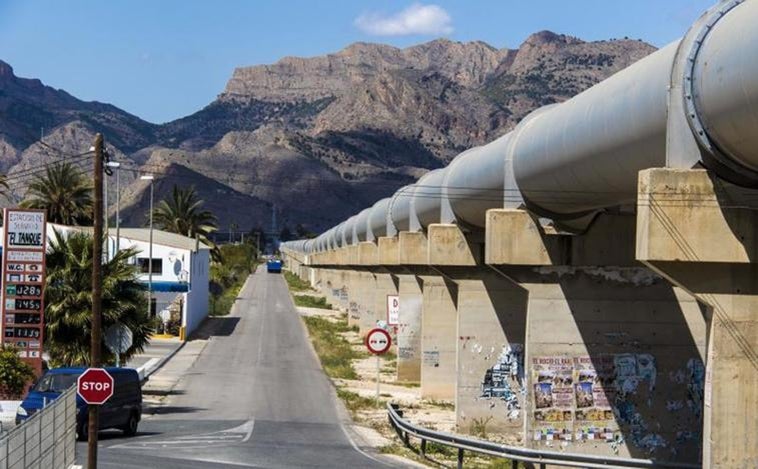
[
  {"x": 409, "y": 330},
  {"x": 614, "y": 362},
  {"x": 439, "y": 332},
  {"x": 491, "y": 389}
]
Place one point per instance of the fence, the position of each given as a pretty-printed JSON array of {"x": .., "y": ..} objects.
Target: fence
[
  {"x": 46, "y": 440},
  {"x": 536, "y": 457}
]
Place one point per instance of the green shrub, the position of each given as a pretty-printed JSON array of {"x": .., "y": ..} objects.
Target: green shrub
[
  {"x": 15, "y": 374},
  {"x": 295, "y": 283},
  {"x": 336, "y": 353},
  {"x": 308, "y": 301}
]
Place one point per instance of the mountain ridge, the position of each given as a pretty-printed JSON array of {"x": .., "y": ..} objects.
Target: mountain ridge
[{"x": 319, "y": 137}]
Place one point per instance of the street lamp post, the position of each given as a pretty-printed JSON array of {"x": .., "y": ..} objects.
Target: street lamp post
[
  {"x": 150, "y": 178},
  {"x": 115, "y": 165}
]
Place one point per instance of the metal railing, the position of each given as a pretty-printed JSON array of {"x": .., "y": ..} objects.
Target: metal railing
[
  {"x": 540, "y": 458},
  {"x": 47, "y": 439}
]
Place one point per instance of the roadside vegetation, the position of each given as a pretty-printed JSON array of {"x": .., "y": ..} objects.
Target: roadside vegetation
[
  {"x": 228, "y": 275},
  {"x": 15, "y": 374},
  {"x": 309, "y": 301},
  {"x": 295, "y": 283},
  {"x": 334, "y": 351}
]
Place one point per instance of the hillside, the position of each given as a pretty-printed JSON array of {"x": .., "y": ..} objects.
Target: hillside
[{"x": 320, "y": 137}]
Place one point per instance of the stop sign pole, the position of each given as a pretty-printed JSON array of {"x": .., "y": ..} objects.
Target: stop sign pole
[
  {"x": 378, "y": 342},
  {"x": 97, "y": 295}
]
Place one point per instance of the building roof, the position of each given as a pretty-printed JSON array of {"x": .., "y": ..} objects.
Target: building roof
[{"x": 160, "y": 237}]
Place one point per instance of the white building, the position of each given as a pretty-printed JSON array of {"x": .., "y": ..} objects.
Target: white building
[
  {"x": 181, "y": 268},
  {"x": 180, "y": 271}
]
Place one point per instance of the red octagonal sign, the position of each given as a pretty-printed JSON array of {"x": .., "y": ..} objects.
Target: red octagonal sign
[{"x": 95, "y": 386}]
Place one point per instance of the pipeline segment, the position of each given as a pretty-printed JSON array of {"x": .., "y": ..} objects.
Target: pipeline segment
[{"x": 569, "y": 160}]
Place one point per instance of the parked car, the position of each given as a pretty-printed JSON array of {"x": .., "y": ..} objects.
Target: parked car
[{"x": 123, "y": 410}]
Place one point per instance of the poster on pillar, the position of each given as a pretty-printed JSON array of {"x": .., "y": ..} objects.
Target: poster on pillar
[
  {"x": 553, "y": 379},
  {"x": 594, "y": 391}
]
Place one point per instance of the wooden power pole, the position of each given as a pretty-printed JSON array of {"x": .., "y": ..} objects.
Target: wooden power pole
[{"x": 97, "y": 294}]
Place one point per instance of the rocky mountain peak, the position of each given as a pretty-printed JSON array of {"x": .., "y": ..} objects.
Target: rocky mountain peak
[
  {"x": 5, "y": 70},
  {"x": 545, "y": 37}
]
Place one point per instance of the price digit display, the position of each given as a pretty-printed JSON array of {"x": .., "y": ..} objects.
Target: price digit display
[
  {"x": 22, "y": 332},
  {"x": 28, "y": 305}
]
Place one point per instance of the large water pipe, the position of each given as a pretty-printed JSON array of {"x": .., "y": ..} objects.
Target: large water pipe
[{"x": 569, "y": 160}]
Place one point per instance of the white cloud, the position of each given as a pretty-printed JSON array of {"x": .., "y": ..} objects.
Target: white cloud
[{"x": 416, "y": 19}]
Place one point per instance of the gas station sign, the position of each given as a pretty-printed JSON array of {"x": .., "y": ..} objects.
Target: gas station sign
[{"x": 23, "y": 282}]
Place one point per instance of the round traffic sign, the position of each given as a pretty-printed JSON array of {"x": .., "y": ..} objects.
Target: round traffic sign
[
  {"x": 95, "y": 386},
  {"x": 378, "y": 341},
  {"x": 118, "y": 338}
]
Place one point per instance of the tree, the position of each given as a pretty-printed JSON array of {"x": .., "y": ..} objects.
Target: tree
[
  {"x": 285, "y": 234},
  {"x": 64, "y": 192},
  {"x": 3, "y": 185},
  {"x": 303, "y": 233},
  {"x": 68, "y": 297},
  {"x": 15, "y": 374},
  {"x": 182, "y": 214}
]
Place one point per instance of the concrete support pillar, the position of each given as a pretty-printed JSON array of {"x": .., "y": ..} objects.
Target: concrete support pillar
[
  {"x": 702, "y": 234},
  {"x": 439, "y": 326},
  {"x": 409, "y": 330},
  {"x": 353, "y": 279},
  {"x": 384, "y": 285},
  {"x": 614, "y": 352},
  {"x": 491, "y": 387}
]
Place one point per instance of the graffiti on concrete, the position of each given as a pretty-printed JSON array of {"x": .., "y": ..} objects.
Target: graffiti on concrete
[
  {"x": 353, "y": 311},
  {"x": 431, "y": 358},
  {"x": 695, "y": 385},
  {"x": 505, "y": 379}
]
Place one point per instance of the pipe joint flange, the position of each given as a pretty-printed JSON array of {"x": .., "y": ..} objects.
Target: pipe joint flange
[{"x": 697, "y": 124}]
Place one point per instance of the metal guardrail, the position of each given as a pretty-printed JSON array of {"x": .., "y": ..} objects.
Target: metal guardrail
[
  {"x": 541, "y": 458},
  {"x": 46, "y": 440}
]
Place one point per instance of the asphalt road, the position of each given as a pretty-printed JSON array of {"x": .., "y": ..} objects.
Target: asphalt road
[{"x": 255, "y": 397}]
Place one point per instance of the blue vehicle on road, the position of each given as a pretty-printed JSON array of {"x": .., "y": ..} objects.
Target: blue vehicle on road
[
  {"x": 274, "y": 266},
  {"x": 123, "y": 410}
]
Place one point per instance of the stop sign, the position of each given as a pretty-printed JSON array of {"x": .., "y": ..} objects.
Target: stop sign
[{"x": 95, "y": 386}]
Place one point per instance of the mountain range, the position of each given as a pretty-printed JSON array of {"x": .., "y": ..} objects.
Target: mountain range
[{"x": 315, "y": 139}]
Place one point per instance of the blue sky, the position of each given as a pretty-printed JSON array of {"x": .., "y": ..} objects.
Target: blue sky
[{"x": 164, "y": 59}]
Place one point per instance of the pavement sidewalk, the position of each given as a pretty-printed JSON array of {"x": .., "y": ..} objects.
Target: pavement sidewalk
[{"x": 155, "y": 355}]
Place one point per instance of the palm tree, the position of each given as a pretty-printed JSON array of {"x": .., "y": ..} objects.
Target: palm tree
[
  {"x": 68, "y": 298},
  {"x": 182, "y": 214},
  {"x": 64, "y": 192},
  {"x": 3, "y": 185}
]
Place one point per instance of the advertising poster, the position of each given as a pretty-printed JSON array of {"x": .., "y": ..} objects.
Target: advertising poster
[
  {"x": 23, "y": 283},
  {"x": 594, "y": 392},
  {"x": 553, "y": 381}
]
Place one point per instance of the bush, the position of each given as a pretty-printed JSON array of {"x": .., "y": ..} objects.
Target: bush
[
  {"x": 228, "y": 276},
  {"x": 336, "y": 353},
  {"x": 15, "y": 374},
  {"x": 308, "y": 301},
  {"x": 296, "y": 283}
]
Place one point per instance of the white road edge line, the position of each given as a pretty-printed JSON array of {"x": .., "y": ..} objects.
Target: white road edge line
[{"x": 358, "y": 449}]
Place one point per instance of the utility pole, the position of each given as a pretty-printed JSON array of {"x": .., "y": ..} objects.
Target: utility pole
[{"x": 97, "y": 259}]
